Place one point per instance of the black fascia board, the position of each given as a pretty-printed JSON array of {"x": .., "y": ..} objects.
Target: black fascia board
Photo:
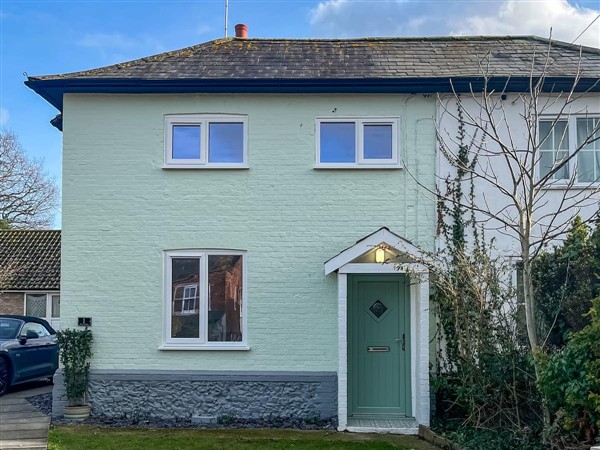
[{"x": 53, "y": 90}]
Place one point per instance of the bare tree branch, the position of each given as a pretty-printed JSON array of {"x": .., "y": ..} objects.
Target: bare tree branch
[{"x": 28, "y": 195}]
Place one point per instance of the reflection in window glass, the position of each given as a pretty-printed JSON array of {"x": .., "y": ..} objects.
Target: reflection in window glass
[
  {"x": 337, "y": 142},
  {"x": 377, "y": 141},
  {"x": 185, "y": 305},
  {"x": 186, "y": 142},
  {"x": 35, "y": 305},
  {"x": 225, "y": 277},
  {"x": 554, "y": 148},
  {"x": 37, "y": 328},
  {"x": 56, "y": 306},
  {"x": 226, "y": 142},
  {"x": 588, "y": 159}
]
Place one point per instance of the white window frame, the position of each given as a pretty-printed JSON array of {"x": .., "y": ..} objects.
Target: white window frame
[
  {"x": 360, "y": 161},
  {"x": 202, "y": 120},
  {"x": 202, "y": 342},
  {"x": 49, "y": 295},
  {"x": 572, "y": 136}
]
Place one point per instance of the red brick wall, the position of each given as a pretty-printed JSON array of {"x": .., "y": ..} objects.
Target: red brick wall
[{"x": 11, "y": 303}]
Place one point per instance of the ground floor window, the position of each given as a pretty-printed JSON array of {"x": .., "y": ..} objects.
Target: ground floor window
[
  {"x": 205, "y": 298},
  {"x": 43, "y": 305}
]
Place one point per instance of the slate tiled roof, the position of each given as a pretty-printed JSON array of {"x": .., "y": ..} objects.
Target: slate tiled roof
[
  {"x": 35, "y": 257},
  {"x": 368, "y": 58}
]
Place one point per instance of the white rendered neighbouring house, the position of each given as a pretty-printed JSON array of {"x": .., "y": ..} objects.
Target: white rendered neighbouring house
[{"x": 226, "y": 211}]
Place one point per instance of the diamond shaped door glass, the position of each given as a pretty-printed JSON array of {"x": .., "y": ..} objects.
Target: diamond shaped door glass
[{"x": 378, "y": 309}]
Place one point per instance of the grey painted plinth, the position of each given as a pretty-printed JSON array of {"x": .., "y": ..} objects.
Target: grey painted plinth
[{"x": 181, "y": 395}]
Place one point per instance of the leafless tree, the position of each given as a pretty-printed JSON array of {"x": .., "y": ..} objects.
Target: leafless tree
[
  {"x": 532, "y": 205},
  {"x": 28, "y": 195}
]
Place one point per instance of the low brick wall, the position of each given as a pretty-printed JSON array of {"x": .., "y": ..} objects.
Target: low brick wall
[{"x": 183, "y": 395}]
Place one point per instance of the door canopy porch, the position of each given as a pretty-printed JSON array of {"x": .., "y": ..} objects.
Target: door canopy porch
[
  {"x": 380, "y": 247},
  {"x": 384, "y": 252}
]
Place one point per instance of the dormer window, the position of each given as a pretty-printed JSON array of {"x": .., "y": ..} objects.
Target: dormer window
[{"x": 197, "y": 141}]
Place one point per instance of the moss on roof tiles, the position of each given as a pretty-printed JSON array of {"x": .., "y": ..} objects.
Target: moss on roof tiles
[{"x": 351, "y": 58}]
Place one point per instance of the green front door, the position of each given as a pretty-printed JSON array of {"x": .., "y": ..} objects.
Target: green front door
[{"x": 378, "y": 345}]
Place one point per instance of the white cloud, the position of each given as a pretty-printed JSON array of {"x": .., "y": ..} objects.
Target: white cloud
[
  {"x": 203, "y": 29},
  {"x": 344, "y": 18},
  {"x": 4, "y": 116},
  {"x": 518, "y": 17},
  {"x": 107, "y": 41},
  {"x": 116, "y": 47}
]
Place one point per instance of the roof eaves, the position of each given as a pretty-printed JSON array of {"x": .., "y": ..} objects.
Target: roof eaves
[{"x": 53, "y": 90}]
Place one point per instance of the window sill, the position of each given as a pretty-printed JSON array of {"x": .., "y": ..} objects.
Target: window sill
[
  {"x": 577, "y": 187},
  {"x": 359, "y": 167},
  {"x": 207, "y": 167},
  {"x": 170, "y": 347}
]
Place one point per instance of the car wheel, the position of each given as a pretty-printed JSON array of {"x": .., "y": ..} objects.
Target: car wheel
[{"x": 4, "y": 382}]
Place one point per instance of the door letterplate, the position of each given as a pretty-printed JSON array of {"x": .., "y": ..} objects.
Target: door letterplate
[{"x": 378, "y": 349}]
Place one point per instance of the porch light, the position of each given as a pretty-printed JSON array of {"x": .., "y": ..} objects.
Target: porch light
[{"x": 379, "y": 255}]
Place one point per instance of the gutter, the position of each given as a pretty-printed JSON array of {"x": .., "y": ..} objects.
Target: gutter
[{"x": 53, "y": 90}]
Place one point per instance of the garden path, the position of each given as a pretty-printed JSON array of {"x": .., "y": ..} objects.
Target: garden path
[{"x": 22, "y": 425}]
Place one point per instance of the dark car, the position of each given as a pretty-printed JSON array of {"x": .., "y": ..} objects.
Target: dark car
[{"x": 28, "y": 350}]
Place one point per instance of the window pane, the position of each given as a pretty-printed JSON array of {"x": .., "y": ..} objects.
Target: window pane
[
  {"x": 544, "y": 130},
  {"x": 185, "y": 311},
  {"x": 563, "y": 173},
  {"x": 585, "y": 166},
  {"x": 546, "y": 162},
  {"x": 35, "y": 305},
  {"x": 186, "y": 142},
  {"x": 56, "y": 306},
  {"x": 337, "y": 142},
  {"x": 377, "y": 141},
  {"x": 37, "y": 328},
  {"x": 226, "y": 142},
  {"x": 561, "y": 135},
  {"x": 225, "y": 298},
  {"x": 585, "y": 129}
]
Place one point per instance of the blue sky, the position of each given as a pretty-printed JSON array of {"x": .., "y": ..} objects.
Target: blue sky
[{"x": 56, "y": 36}]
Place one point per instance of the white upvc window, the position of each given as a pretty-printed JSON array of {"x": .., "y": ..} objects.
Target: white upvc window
[
  {"x": 43, "y": 305},
  {"x": 561, "y": 137},
  {"x": 200, "y": 141},
  {"x": 357, "y": 142},
  {"x": 205, "y": 300}
]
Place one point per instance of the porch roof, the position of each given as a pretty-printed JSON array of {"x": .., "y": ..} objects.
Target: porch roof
[{"x": 381, "y": 237}]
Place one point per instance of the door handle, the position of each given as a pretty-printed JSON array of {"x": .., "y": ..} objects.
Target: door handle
[{"x": 403, "y": 340}]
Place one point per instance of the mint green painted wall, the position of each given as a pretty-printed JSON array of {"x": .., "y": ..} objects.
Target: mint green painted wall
[{"x": 121, "y": 210}]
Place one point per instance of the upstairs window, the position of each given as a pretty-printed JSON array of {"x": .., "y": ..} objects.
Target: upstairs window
[
  {"x": 357, "y": 143},
  {"x": 201, "y": 141},
  {"x": 560, "y": 138}
]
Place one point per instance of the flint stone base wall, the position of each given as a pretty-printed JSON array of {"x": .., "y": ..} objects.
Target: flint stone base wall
[{"x": 182, "y": 395}]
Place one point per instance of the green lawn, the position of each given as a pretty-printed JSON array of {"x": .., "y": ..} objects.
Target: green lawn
[{"x": 71, "y": 437}]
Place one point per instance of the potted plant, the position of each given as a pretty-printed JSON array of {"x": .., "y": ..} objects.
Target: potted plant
[{"x": 75, "y": 352}]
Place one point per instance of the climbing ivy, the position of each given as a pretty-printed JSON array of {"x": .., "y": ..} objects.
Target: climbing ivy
[{"x": 484, "y": 375}]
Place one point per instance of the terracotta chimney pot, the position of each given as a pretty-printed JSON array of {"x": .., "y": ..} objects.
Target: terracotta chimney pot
[{"x": 241, "y": 31}]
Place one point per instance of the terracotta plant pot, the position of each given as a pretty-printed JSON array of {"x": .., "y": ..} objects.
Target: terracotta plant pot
[{"x": 77, "y": 412}]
